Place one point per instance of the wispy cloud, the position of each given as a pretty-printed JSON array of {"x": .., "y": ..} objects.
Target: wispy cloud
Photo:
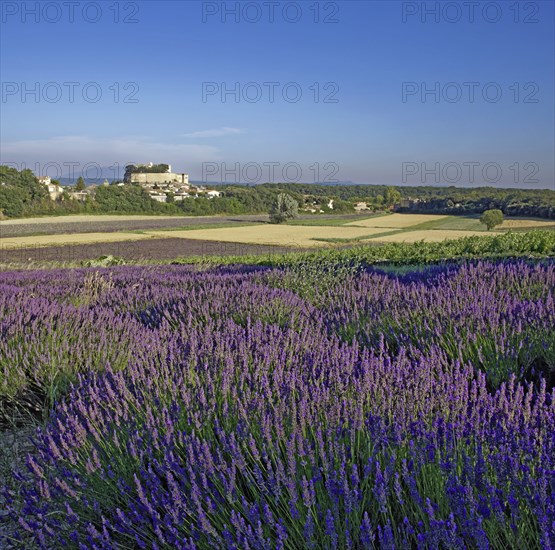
[
  {"x": 216, "y": 132},
  {"x": 85, "y": 149}
]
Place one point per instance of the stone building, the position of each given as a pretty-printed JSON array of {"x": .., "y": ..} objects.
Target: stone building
[
  {"x": 158, "y": 177},
  {"x": 165, "y": 177}
]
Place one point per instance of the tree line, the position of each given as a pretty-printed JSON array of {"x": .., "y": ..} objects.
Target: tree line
[
  {"x": 22, "y": 195},
  {"x": 441, "y": 200}
]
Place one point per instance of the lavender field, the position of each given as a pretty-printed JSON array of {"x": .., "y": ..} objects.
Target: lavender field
[{"x": 305, "y": 407}]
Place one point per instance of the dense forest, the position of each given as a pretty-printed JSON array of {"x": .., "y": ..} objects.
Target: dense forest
[{"x": 22, "y": 195}]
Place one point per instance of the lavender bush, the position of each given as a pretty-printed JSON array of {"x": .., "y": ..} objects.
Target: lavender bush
[{"x": 222, "y": 409}]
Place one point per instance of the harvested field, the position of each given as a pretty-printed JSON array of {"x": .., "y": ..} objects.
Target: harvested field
[
  {"x": 96, "y": 236},
  {"x": 280, "y": 235},
  {"x": 472, "y": 223},
  {"x": 396, "y": 221},
  {"x": 74, "y": 238},
  {"x": 433, "y": 222},
  {"x": 522, "y": 223}
]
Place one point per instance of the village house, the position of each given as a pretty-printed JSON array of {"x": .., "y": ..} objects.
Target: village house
[
  {"x": 159, "y": 197},
  {"x": 54, "y": 190}
]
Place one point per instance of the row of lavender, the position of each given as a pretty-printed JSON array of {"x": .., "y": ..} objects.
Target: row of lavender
[{"x": 221, "y": 409}]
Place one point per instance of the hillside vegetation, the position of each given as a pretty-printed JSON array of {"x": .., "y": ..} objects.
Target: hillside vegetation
[{"x": 21, "y": 195}]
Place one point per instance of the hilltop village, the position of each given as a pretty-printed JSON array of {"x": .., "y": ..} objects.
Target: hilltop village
[{"x": 158, "y": 180}]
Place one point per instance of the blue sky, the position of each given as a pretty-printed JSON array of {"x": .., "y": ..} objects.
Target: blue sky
[{"x": 349, "y": 61}]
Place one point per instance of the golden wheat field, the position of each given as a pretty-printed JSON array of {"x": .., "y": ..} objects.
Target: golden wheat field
[
  {"x": 397, "y": 221},
  {"x": 285, "y": 235},
  {"x": 523, "y": 224},
  {"x": 389, "y": 228}
]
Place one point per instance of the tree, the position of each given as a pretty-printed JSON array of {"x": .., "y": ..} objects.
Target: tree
[
  {"x": 129, "y": 169},
  {"x": 79, "y": 184},
  {"x": 284, "y": 208},
  {"x": 12, "y": 201},
  {"x": 392, "y": 196},
  {"x": 491, "y": 218}
]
